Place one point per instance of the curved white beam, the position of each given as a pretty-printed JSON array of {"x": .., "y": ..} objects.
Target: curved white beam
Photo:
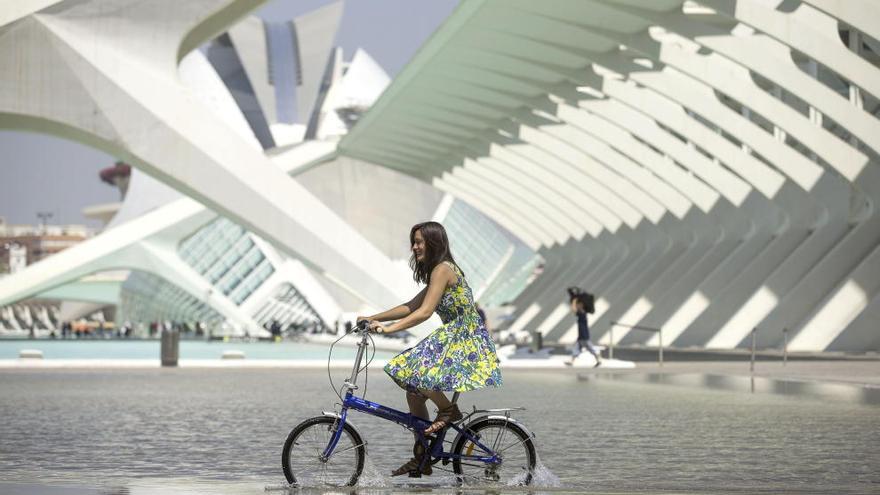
[
  {"x": 708, "y": 105},
  {"x": 123, "y": 95}
]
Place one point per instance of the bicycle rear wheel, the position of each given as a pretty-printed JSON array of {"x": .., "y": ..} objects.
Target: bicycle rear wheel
[
  {"x": 512, "y": 444},
  {"x": 301, "y": 457}
]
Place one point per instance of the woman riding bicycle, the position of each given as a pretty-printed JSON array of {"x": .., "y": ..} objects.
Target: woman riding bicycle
[{"x": 457, "y": 357}]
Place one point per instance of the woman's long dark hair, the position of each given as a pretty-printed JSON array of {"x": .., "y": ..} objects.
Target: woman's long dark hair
[{"x": 436, "y": 250}]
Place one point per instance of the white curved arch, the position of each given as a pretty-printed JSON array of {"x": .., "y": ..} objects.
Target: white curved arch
[{"x": 125, "y": 96}]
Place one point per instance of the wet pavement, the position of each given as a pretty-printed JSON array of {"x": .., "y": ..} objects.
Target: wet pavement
[{"x": 130, "y": 431}]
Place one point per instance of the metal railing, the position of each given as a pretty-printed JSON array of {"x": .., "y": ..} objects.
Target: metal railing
[
  {"x": 752, "y": 360},
  {"x": 659, "y": 332},
  {"x": 784, "y": 346}
]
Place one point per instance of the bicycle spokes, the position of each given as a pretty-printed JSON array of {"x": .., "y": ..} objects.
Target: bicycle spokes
[
  {"x": 304, "y": 460},
  {"x": 508, "y": 446}
]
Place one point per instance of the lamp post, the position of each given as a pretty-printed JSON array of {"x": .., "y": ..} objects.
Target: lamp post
[{"x": 44, "y": 216}]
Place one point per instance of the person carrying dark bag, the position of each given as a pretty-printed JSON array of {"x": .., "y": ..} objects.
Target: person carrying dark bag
[{"x": 582, "y": 303}]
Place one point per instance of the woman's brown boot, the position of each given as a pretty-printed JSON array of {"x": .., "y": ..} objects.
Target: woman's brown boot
[
  {"x": 411, "y": 467},
  {"x": 446, "y": 416}
]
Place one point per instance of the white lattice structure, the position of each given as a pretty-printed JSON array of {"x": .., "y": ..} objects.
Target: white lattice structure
[
  {"x": 106, "y": 73},
  {"x": 98, "y": 72},
  {"x": 270, "y": 84}
]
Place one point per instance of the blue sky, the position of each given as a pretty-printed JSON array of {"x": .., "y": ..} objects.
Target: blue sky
[{"x": 44, "y": 173}]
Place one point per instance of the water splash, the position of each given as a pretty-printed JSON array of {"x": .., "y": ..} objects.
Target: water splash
[
  {"x": 371, "y": 477},
  {"x": 544, "y": 478},
  {"x": 280, "y": 487}
]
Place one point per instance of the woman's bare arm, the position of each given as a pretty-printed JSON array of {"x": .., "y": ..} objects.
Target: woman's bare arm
[
  {"x": 441, "y": 277},
  {"x": 399, "y": 312}
]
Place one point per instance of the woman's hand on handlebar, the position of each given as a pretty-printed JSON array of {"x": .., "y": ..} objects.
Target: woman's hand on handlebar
[
  {"x": 372, "y": 325},
  {"x": 362, "y": 323},
  {"x": 377, "y": 327}
]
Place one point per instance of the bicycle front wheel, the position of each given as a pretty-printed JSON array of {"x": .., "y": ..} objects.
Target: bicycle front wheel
[
  {"x": 302, "y": 456},
  {"x": 509, "y": 441}
]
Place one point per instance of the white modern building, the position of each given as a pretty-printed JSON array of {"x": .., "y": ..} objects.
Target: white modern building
[
  {"x": 286, "y": 93},
  {"x": 705, "y": 167}
]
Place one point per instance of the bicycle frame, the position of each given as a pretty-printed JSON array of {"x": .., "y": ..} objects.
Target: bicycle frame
[{"x": 407, "y": 420}]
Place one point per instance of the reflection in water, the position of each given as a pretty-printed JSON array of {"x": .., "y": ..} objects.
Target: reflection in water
[
  {"x": 754, "y": 384},
  {"x": 374, "y": 483}
]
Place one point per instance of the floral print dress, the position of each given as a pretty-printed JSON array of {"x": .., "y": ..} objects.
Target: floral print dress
[{"x": 457, "y": 357}]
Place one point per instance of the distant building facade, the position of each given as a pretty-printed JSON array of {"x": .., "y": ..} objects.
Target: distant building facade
[{"x": 22, "y": 245}]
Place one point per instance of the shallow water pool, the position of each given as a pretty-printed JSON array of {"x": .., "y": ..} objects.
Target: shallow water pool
[{"x": 221, "y": 431}]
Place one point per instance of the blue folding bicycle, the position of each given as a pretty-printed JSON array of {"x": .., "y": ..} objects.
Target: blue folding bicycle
[{"x": 489, "y": 447}]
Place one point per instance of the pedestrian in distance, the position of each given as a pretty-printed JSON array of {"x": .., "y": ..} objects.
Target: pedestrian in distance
[{"x": 582, "y": 303}]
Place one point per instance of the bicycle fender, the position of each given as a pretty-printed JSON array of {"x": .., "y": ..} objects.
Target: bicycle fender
[
  {"x": 512, "y": 420},
  {"x": 336, "y": 415}
]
